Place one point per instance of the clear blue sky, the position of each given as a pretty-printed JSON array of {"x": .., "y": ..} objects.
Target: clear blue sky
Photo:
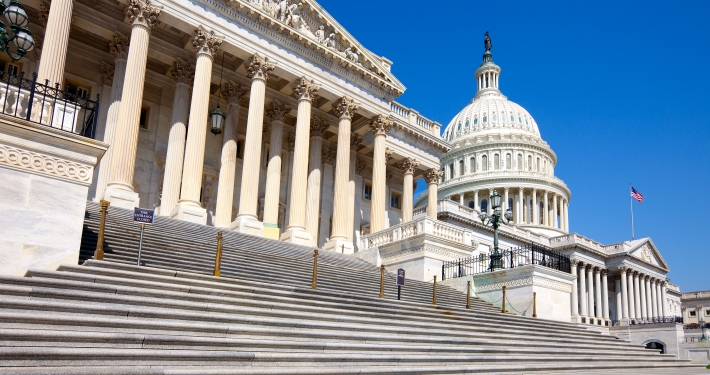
[{"x": 620, "y": 91}]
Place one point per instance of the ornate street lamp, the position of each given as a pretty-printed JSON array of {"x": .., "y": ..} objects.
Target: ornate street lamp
[
  {"x": 22, "y": 36},
  {"x": 495, "y": 220},
  {"x": 704, "y": 337},
  {"x": 217, "y": 117}
]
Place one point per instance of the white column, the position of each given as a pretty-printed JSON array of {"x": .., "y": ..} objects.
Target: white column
[
  {"x": 432, "y": 177},
  {"x": 642, "y": 292},
  {"x": 189, "y": 207},
  {"x": 357, "y": 213},
  {"x": 296, "y": 232},
  {"x": 313, "y": 195},
  {"x": 475, "y": 201},
  {"x": 535, "y": 209},
  {"x": 659, "y": 298},
  {"x": 664, "y": 304},
  {"x": 258, "y": 69},
  {"x": 554, "y": 211},
  {"x": 183, "y": 73},
  {"x": 590, "y": 291},
  {"x": 345, "y": 108},
  {"x": 637, "y": 296},
  {"x": 276, "y": 110},
  {"x": 619, "y": 300},
  {"x": 583, "y": 291},
  {"x": 598, "y": 293},
  {"x": 119, "y": 190},
  {"x": 575, "y": 298},
  {"x": 521, "y": 211},
  {"x": 408, "y": 166},
  {"x": 119, "y": 49},
  {"x": 545, "y": 211},
  {"x": 56, "y": 40},
  {"x": 632, "y": 298},
  {"x": 380, "y": 127},
  {"x": 355, "y": 141},
  {"x": 566, "y": 211},
  {"x": 649, "y": 297},
  {"x": 505, "y": 199},
  {"x": 624, "y": 295},
  {"x": 654, "y": 299},
  {"x": 605, "y": 295},
  {"x": 326, "y": 211}
]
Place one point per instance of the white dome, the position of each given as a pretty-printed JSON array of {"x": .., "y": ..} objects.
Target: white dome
[{"x": 490, "y": 112}]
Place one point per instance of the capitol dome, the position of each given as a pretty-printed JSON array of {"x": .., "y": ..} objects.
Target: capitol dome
[{"x": 496, "y": 145}]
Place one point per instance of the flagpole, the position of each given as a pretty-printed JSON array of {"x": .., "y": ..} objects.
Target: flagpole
[{"x": 631, "y": 204}]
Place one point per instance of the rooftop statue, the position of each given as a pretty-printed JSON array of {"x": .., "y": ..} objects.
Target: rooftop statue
[{"x": 487, "y": 42}]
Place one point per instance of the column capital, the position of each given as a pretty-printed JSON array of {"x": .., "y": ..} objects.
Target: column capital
[
  {"x": 359, "y": 167},
  {"x": 234, "y": 92},
  {"x": 534, "y": 190},
  {"x": 506, "y": 189},
  {"x": 291, "y": 142},
  {"x": 597, "y": 270},
  {"x": 143, "y": 13},
  {"x": 605, "y": 272},
  {"x": 107, "y": 71},
  {"x": 118, "y": 47},
  {"x": 408, "y": 165},
  {"x": 355, "y": 141},
  {"x": 305, "y": 88},
  {"x": 574, "y": 262},
  {"x": 182, "y": 71},
  {"x": 432, "y": 176},
  {"x": 345, "y": 107},
  {"x": 329, "y": 155},
  {"x": 277, "y": 110},
  {"x": 589, "y": 267},
  {"x": 388, "y": 154},
  {"x": 318, "y": 126},
  {"x": 259, "y": 67},
  {"x": 380, "y": 125},
  {"x": 205, "y": 42}
]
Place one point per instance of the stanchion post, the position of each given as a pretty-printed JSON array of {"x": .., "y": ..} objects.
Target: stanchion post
[
  {"x": 433, "y": 299},
  {"x": 534, "y": 304},
  {"x": 315, "y": 268},
  {"x": 99, "y": 253},
  {"x": 468, "y": 294},
  {"x": 382, "y": 281},
  {"x": 502, "y": 309},
  {"x": 218, "y": 256}
]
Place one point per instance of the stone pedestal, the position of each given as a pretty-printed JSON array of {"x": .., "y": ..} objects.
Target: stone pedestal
[{"x": 45, "y": 175}]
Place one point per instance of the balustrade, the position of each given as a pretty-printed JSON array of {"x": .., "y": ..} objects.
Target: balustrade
[{"x": 422, "y": 225}]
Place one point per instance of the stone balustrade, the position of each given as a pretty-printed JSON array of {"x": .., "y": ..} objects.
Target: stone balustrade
[
  {"x": 412, "y": 117},
  {"x": 419, "y": 211},
  {"x": 576, "y": 239},
  {"x": 419, "y": 226}
]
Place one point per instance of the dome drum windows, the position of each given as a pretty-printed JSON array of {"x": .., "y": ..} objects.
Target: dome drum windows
[
  {"x": 520, "y": 162},
  {"x": 472, "y": 164},
  {"x": 484, "y": 163},
  {"x": 496, "y": 162},
  {"x": 508, "y": 161}
]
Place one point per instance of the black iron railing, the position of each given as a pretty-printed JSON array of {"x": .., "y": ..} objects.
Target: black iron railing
[
  {"x": 46, "y": 105},
  {"x": 530, "y": 254},
  {"x": 696, "y": 326},
  {"x": 657, "y": 320}
]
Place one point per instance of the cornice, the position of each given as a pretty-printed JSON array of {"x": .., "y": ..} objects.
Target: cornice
[
  {"x": 457, "y": 151},
  {"x": 479, "y": 226},
  {"x": 421, "y": 134},
  {"x": 500, "y": 179}
]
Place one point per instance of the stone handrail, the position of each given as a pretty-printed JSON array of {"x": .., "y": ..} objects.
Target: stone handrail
[
  {"x": 422, "y": 225},
  {"x": 412, "y": 117},
  {"x": 419, "y": 211},
  {"x": 576, "y": 239}
]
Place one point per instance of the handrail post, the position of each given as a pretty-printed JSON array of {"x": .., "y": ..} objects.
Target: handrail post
[
  {"x": 502, "y": 309},
  {"x": 534, "y": 304},
  {"x": 218, "y": 256},
  {"x": 315, "y": 268},
  {"x": 468, "y": 294},
  {"x": 99, "y": 253},
  {"x": 433, "y": 299},
  {"x": 382, "y": 281}
]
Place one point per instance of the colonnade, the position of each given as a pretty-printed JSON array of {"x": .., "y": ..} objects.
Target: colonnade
[
  {"x": 642, "y": 296},
  {"x": 590, "y": 293}
]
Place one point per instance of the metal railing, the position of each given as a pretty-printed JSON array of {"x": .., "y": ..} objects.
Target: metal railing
[
  {"x": 656, "y": 320},
  {"x": 695, "y": 325},
  {"x": 46, "y": 105},
  {"x": 530, "y": 254}
]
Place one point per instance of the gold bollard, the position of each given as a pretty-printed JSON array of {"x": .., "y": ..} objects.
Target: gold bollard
[
  {"x": 502, "y": 309},
  {"x": 99, "y": 253},
  {"x": 382, "y": 281},
  {"x": 433, "y": 300},
  {"x": 534, "y": 304},
  {"x": 468, "y": 295},
  {"x": 315, "y": 268},
  {"x": 218, "y": 256}
]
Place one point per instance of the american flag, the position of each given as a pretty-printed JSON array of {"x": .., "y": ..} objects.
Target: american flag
[{"x": 636, "y": 195}]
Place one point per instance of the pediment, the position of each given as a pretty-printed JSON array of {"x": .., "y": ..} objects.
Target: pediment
[
  {"x": 647, "y": 252},
  {"x": 311, "y": 25}
]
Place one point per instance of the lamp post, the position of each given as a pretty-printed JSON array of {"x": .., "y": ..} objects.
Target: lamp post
[
  {"x": 495, "y": 220},
  {"x": 22, "y": 36},
  {"x": 704, "y": 337}
]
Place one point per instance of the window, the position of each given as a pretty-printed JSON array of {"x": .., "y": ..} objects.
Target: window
[
  {"x": 519, "y": 119},
  {"x": 9, "y": 67},
  {"x": 485, "y": 118},
  {"x": 544, "y": 166},
  {"x": 508, "y": 161},
  {"x": 458, "y": 127},
  {"x": 494, "y": 117},
  {"x": 144, "y": 118},
  {"x": 367, "y": 192},
  {"x": 512, "y": 118},
  {"x": 496, "y": 162},
  {"x": 472, "y": 165},
  {"x": 443, "y": 174},
  {"x": 475, "y": 121},
  {"x": 466, "y": 124},
  {"x": 461, "y": 168},
  {"x": 691, "y": 313},
  {"x": 471, "y": 204},
  {"x": 395, "y": 200},
  {"x": 541, "y": 213},
  {"x": 707, "y": 312},
  {"x": 537, "y": 165},
  {"x": 529, "y": 163},
  {"x": 484, "y": 206},
  {"x": 510, "y": 203},
  {"x": 520, "y": 162},
  {"x": 451, "y": 170},
  {"x": 530, "y": 210},
  {"x": 484, "y": 163},
  {"x": 76, "y": 90}
]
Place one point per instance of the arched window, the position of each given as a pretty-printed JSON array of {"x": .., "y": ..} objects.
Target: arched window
[
  {"x": 475, "y": 121},
  {"x": 461, "y": 171},
  {"x": 544, "y": 166},
  {"x": 512, "y": 118},
  {"x": 458, "y": 127},
  {"x": 494, "y": 117},
  {"x": 496, "y": 162},
  {"x": 529, "y": 163},
  {"x": 510, "y": 204},
  {"x": 531, "y": 210},
  {"x": 540, "y": 220},
  {"x": 471, "y": 204},
  {"x": 484, "y": 205},
  {"x": 472, "y": 165},
  {"x": 485, "y": 118},
  {"x": 519, "y": 119},
  {"x": 508, "y": 161},
  {"x": 537, "y": 165},
  {"x": 443, "y": 174},
  {"x": 466, "y": 124},
  {"x": 451, "y": 170},
  {"x": 520, "y": 162},
  {"x": 484, "y": 163}
]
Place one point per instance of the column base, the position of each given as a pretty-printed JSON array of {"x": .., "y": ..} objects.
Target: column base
[
  {"x": 190, "y": 211},
  {"x": 298, "y": 236},
  {"x": 248, "y": 225},
  {"x": 340, "y": 245},
  {"x": 122, "y": 197},
  {"x": 271, "y": 231}
]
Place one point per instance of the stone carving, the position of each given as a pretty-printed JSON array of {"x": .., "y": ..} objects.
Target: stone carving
[
  {"x": 233, "y": 92},
  {"x": 359, "y": 167},
  {"x": 318, "y": 126},
  {"x": 107, "y": 71},
  {"x": 355, "y": 141},
  {"x": 328, "y": 155},
  {"x": 351, "y": 54},
  {"x": 345, "y": 107},
  {"x": 432, "y": 176},
  {"x": 409, "y": 165},
  {"x": 291, "y": 142},
  {"x": 320, "y": 34},
  {"x": 44, "y": 13},
  {"x": 305, "y": 89},
  {"x": 143, "y": 12},
  {"x": 205, "y": 42},
  {"x": 487, "y": 41},
  {"x": 29, "y": 160},
  {"x": 259, "y": 67},
  {"x": 380, "y": 125},
  {"x": 118, "y": 47},
  {"x": 277, "y": 110},
  {"x": 526, "y": 280},
  {"x": 182, "y": 71},
  {"x": 388, "y": 176},
  {"x": 431, "y": 249},
  {"x": 388, "y": 154}
]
